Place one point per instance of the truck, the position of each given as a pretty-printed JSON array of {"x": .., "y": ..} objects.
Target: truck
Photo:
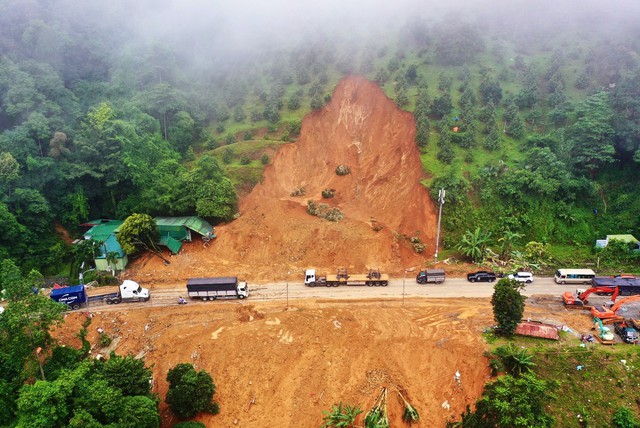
[
  {"x": 430, "y": 275},
  {"x": 73, "y": 296},
  {"x": 79, "y": 295},
  {"x": 224, "y": 287},
  {"x": 626, "y": 286},
  {"x": 342, "y": 277},
  {"x": 626, "y": 332}
]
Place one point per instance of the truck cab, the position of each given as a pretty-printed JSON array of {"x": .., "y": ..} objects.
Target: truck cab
[
  {"x": 132, "y": 290},
  {"x": 310, "y": 277},
  {"x": 243, "y": 290}
]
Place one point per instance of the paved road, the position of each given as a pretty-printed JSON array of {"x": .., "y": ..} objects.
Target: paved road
[
  {"x": 451, "y": 288},
  {"x": 397, "y": 288}
]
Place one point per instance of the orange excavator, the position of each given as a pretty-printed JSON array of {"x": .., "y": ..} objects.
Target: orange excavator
[
  {"x": 579, "y": 299},
  {"x": 609, "y": 314}
]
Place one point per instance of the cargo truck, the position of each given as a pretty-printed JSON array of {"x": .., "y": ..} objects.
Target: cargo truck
[
  {"x": 626, "y": 286},
  {"x": 79, "y": 295},
  {"x": 227, "y": 287},
  {"x": 373, "y": 278},
  {"x": 430, "y": 275}
]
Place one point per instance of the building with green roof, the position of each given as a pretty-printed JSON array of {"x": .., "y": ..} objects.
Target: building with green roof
[{"x": 173, "y": 232}]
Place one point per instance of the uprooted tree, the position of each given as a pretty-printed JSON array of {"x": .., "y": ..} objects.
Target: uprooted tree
[{"x": 139, "y": 232}]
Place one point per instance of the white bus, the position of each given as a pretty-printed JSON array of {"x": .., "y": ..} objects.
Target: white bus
[{"x": 574, "y": 276}]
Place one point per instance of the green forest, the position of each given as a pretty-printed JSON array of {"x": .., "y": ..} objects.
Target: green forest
[{"x": 529, "y": 118}]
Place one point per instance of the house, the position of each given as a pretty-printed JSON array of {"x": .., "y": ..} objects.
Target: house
[
  {"x": 630, "y": 239},
  {"x": 104, "y": 231},
  {"x": 173, "y": 232}
]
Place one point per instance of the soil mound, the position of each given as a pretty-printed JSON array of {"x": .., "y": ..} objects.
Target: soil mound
[{"x": 383, "y": 203}]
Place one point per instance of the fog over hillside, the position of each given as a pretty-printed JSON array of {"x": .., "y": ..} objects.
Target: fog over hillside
[{"x": 246, "y": 26}]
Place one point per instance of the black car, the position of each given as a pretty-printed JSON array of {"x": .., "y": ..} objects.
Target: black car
[{"x": 482, "y": 276}]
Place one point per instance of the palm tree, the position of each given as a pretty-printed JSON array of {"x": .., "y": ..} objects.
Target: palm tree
[
  {"x": 112, "y": 260},
  {"x": 474, "y": 244},
  {"x": 515, "y": 360},
  {"x": 508, "y": 239}
]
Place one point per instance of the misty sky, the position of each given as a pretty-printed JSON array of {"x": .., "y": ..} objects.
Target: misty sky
[{"x": 243, "y": 24}]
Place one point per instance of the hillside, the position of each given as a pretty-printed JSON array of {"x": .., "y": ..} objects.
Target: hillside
[{"x": 381, "y": 198}]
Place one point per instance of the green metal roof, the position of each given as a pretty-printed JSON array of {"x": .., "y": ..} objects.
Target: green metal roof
[
  {"x": 101, "y": 232},
  {"x": 173, "y": 244},
  {"x": 194, "y": 223}
]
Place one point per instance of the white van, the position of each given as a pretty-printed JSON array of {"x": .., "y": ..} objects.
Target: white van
[
  {"x": 574, "y": 276},
  {"x": 523, "y": 277}
]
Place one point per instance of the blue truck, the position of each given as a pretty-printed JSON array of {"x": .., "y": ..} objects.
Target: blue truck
[{"x": 78, "y": 295}]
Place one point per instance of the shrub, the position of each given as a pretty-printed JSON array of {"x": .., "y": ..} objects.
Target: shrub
[
  {"x": 343, "y": 170},
  {"x": 328, "y": 193},
  {"x": 104, "y": 340},
  {"x": 264, "y": 159},
  {"x": 324, "y": 211},
  {"x": 624, "y": 418},
  {"x": 300, "y": 191},
  {"x": 245, "y": 160}
]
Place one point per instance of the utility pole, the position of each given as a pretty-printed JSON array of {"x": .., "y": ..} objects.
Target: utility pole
[{"x": 441, "y": 194}]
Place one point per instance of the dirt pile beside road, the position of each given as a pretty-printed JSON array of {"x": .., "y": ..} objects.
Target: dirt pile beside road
[{"x": 382, "y": 200}]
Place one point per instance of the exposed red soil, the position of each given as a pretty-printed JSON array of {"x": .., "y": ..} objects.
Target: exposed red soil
[{"x": 275, "y": 237}]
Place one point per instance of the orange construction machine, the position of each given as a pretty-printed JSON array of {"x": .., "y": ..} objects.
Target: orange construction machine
[
  {"x": 609, "y": 314},
  {"x": 579, "y": 299}
]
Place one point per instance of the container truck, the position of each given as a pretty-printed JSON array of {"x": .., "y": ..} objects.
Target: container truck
[
  {"x": 227, "y": 287},
  {"x": 79, "y": 295},
  {"x": 373, "y": 278},
  {"x": 73, "y": 296}
]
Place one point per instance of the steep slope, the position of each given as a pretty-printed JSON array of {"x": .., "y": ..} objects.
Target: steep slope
[{"x": 382, "y": 199}]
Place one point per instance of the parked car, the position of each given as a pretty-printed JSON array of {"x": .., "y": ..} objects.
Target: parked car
[
  {"x": 522, "y": 277},
  {"x": 482, "y": 276}
]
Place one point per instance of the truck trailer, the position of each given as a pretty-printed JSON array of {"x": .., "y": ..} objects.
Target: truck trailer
[
  {"x": 626, "y": 286},
  {"x": 79, "y": 295},
  {"x": 373, "y": 278},
  {"x": 227, "y": 287}
]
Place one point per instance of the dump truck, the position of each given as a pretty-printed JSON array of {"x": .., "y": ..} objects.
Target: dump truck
[
  {"x": 81, "y": 295},
  {"x": 225, "y": 287},
  {"x": 342, "y": 277},
  {"x": 430, "y": 275}
]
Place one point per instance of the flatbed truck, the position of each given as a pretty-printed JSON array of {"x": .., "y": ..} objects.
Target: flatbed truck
[{"x": 372, "y": 279}]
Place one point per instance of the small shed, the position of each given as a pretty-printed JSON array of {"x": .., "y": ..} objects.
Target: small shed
[
  {"x": 628, "y": 238},
  {"x": 175, "y": 230},
  {"x": 537, "y": 329}
]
